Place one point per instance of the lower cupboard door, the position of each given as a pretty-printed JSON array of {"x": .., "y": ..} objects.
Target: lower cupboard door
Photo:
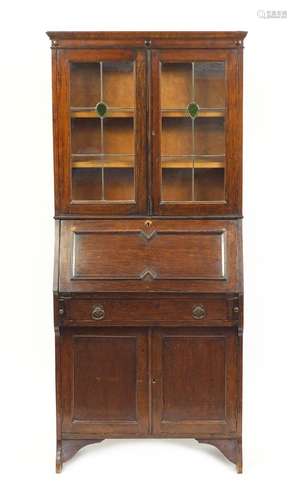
[
  {"x": 104, "y": 381},
  {"x": 195, "y": 381}
]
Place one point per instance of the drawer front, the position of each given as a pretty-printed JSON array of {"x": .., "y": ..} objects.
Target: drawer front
[
  {"x": 150, "y": 256},
  {"x": 151, "y": 312}
]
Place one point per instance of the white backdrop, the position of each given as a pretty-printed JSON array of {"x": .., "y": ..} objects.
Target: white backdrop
[{"x": 147, "y": 469}]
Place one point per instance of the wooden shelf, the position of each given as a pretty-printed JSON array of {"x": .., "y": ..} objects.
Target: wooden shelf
[
  {"x": 211, "y": 162},
  {"x": 210, "y": 165},
  {"x": 118, "y": 163},
  {"x": 111, "y": 113},
  {"x": 166, "y": 113},
  {"x": 203, "y": 113}
]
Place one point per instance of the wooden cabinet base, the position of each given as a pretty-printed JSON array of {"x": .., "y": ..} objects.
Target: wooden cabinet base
[
  {"x": 132, "y": 382},
  {"x": 67, "y": 448},
  {"x": 230, "y": 448}
]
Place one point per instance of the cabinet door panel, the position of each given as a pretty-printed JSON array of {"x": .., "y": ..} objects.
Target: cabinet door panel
[
  {"x": 196, "y": 136},
  {"x": 101, "y": 128},
  {"x": 143, "y": 256},
  {"x": 194, "y": 381},
  {"x": 104, "y": 378}
]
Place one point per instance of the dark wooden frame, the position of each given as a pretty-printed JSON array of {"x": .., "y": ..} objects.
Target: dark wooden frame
[
  {"x": 148, "y": 39},
  {"x": 64, "y": 204},
  {"x": 233, "y": 140},
  {"x": 147, "y": 139}
]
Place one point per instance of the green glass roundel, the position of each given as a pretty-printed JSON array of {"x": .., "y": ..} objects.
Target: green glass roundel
[
  {"x": 193, "y": 109},
  {"x": 101, "y": 109}
]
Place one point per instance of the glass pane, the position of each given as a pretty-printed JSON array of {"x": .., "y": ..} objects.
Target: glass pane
[
  {"x": 176, "y": 85},
  {"x": 119, "y": 184},
  {"x": 118, "y": 84},
  {"x": 209, "y": 136},
  {"x": 86, "y": 184},
  {"x": 176, "y": 136},
  {"x": 86, "y": 136},
  {"x": 102, "y": 102},
  {"x": 209, "y": 184},
  {"x": 210, "y": 84},
  {"x": 108, "y": 82},
  {"x": 84, "y": 84},
  {"x": 193, "y": 131},
  {"x": 176, "y": 184},
  {"x": 118, "y": 136}
]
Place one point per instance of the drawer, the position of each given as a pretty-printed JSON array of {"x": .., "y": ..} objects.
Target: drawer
[{"x": 149, "y": 311}]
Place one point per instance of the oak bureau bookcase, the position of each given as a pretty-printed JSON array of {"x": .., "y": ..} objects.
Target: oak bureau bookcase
[{"x": 148, "y": 289}]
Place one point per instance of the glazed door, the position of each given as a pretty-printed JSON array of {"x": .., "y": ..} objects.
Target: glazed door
[
  {"x": 104, "y": 381},
  {"x": 194, "y": 384},
  {"x": 101, "y": 131},
  {"x": 196, "y": 132}
]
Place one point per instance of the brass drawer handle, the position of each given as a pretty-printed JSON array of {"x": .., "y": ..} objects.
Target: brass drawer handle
[
  {"x": 198, "y": 311},
  {"x": 98, "y": 312}
]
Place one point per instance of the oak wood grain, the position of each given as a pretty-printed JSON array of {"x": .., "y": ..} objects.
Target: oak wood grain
[{"x": 148, "y": 281}]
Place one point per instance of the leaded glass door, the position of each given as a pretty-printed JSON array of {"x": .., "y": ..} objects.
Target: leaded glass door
[
  {"x": 195, "y": 132},
  {"x": 104, "y": 129}
]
